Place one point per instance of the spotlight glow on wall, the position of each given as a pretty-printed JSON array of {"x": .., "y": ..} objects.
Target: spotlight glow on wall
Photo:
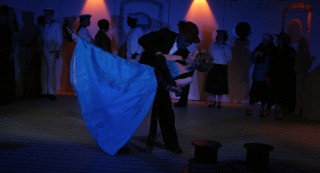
[{"x": 201, "y": 13}]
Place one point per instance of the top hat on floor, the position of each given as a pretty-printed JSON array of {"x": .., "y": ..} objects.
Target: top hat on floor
[
  {"x": 206, "y": 151},
  {"x": 258, "y": 157}
]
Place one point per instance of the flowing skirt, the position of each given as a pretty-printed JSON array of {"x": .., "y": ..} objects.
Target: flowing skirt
[{"x": 115, "y": 95}]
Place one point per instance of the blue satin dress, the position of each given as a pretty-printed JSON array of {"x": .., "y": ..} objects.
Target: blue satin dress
[{"x": 115, "y": 95}]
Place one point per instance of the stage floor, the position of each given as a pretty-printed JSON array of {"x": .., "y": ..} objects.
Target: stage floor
[{"x": 43, "y": 136}]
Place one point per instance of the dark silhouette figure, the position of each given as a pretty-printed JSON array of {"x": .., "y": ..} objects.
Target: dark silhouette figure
[
  {"x": 8, "y": 27},
  {"x": 101, "y": 39},
  {"x": 259, "y": 90},
  {"x": 282, "y": 76},
  {"x": 27, "y": 41}
]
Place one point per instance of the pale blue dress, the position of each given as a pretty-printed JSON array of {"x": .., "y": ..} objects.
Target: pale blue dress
[{"x": 115, "y": 95}]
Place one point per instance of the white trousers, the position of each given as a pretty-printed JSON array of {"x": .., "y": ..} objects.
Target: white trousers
[{"x": 48, "y": 72}]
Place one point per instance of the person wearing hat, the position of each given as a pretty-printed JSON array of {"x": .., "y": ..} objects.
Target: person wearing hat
[
  {"x": 217, "y": 79},
  {"x": 101, "y": 39},
  {"x": 83, "y": 31},
  {"x": 52, "y": 43},
  {"x": 282, "y": 77},
  {"x": 133, "y": 49},
  {"x": 156, "y": 44},
  {"x": 26, "y": 39},
  {"x": 183, "y": 100},
  {"x": 259, "y": 90}
]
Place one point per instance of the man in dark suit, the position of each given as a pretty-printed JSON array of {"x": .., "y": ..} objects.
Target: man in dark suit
[{"x": 155, "y": 44}]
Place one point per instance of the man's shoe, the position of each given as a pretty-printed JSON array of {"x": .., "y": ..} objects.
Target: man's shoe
[
  {"x": 219, "y": 105},
  {"x": 150, "y": 143},
  {"x": 213, "y": 104},
  {"x": 176, "y": 89},
  {"x": 179, "y": 104},
  {"x": 281, "y": 114},
  {"x": 52, "y": 97},
  {"x": 265, "y": 113},
  {"x": 174, "y": 149}
]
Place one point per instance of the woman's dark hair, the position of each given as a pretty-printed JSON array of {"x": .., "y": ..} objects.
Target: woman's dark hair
[
  {"x": 225, "y": 35},
  {"x": 103, "y": 24}
]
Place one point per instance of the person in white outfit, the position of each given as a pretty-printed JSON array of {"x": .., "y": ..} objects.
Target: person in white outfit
[
  {"x": 52, "y": 42},
  {"x": 139, "y": 24},
  {"x": 133, "y": 49},
  {"x": 83, "y": 31}
]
